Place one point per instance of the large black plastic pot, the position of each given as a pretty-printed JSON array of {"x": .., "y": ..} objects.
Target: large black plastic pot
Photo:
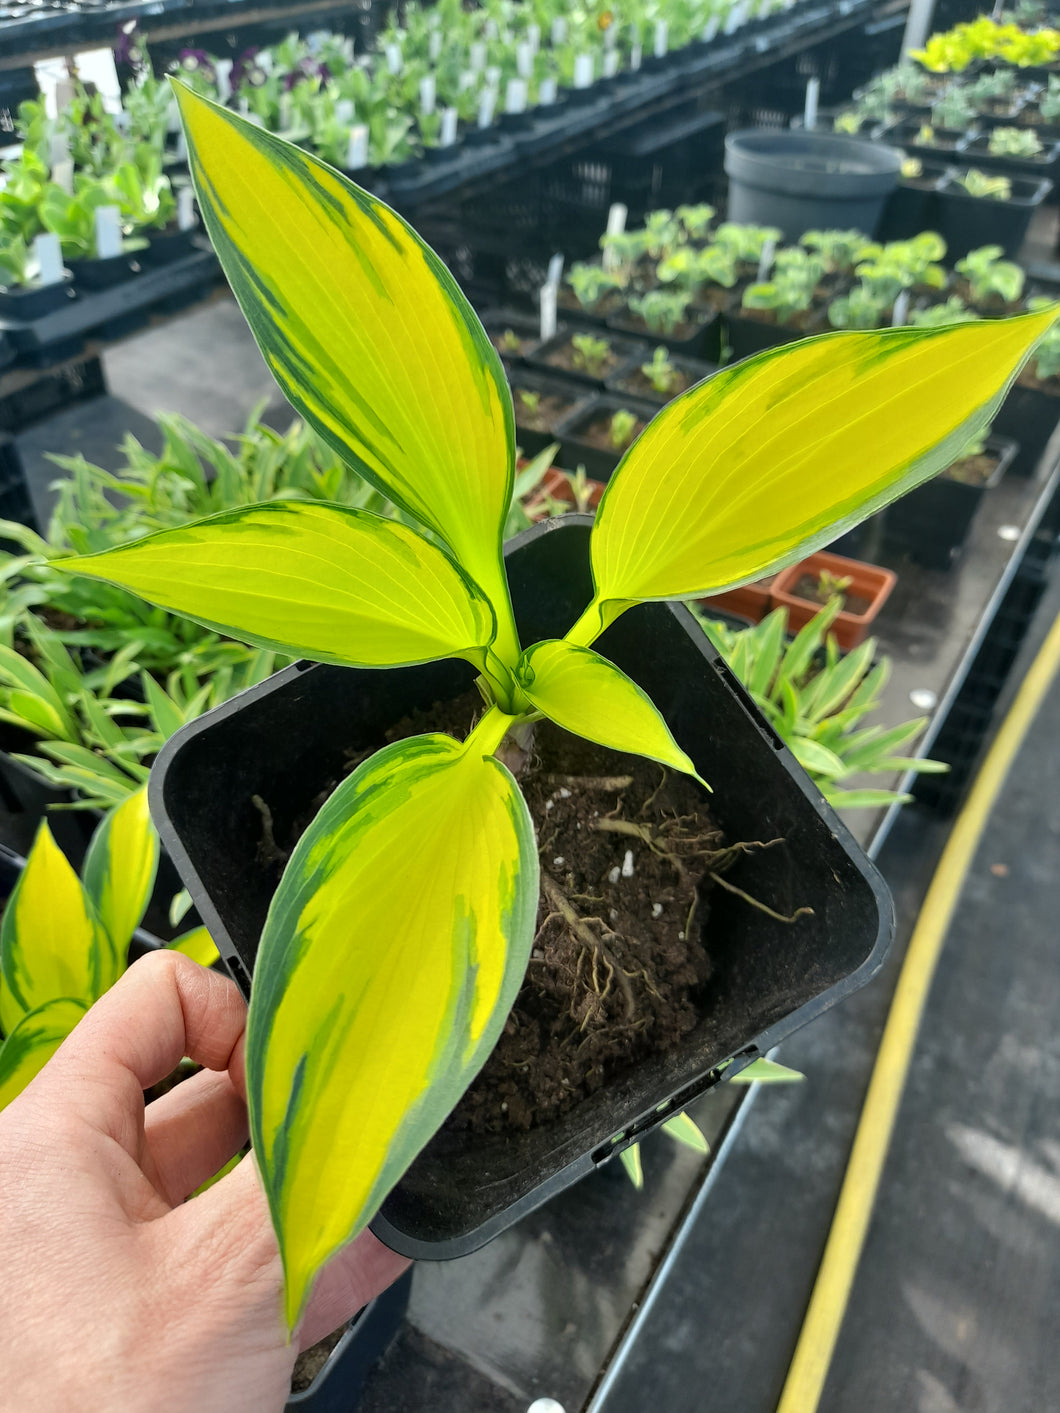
[
  {"x": 968, "y": 222},
  {"x": 931, "y": 524},
  {"x": 287, "y": 738},
  {"x": 808, "y": 180},
  {"x": 913, "y": 205},
  {"x": 338, "y": 1386}
]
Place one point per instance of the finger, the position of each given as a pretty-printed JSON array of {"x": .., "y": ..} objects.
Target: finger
[
  {"x": 192, "y": 1131},
  {"x": 353, "y": 1277},
  {"x": 165, "y": 1008}
]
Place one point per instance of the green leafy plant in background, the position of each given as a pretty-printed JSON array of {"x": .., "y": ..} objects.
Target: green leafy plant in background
[
  {"x": 661, "y": 373},
  {"x": 954, "y": 111},
  {"x": 373, "y": 343},
  {"x": 621, "y": 429},
  {"x": 745, "y": 244},
  {"x": 1014, "y": 142},
  {"x": 791, "y": 291},
  {"x": 1049, "y": 101},
  {"x": 985, "y": 185},
  {"x": 951, "y": 311},
  {"x": 839, "y": 251},
  {"x": 991, "y": 279},
  {"x": 862, "y": 308},
  {"x": 64, "y": 941},
  {"x": 592, "y": 283},
  {"x": 1047, "y": 354},
  {"x": 695, "y": 220},
  {"x": 662, "y": 310},
  {"x": 818, "y": 701},
  {"x": 591, "y": 355}
]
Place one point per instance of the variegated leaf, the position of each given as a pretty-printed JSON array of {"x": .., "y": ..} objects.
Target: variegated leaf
[
  {"x": 32, "y": 1043},
  {"x": 392, "y": 953},
  {"x": 120, "y": 868}
]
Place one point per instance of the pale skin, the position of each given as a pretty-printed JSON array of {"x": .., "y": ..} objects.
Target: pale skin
[{"x": 117, "y": 1294}]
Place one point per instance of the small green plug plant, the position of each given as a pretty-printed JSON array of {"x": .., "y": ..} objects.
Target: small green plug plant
[
  {"x": 951, "y": 311},
  {"x": 791, "y": 290},
  {"x": 955, "y": 111},
  {"x": 819, "y": 709},
  {"x": 745, "y": 244},
  {"x": 839, "y": 251},
  {"x": 590, "y": 354},
  {"x": 991, "y": 279},
  {"x": 863, "y": 308},
  {"x": 662, "y": 310},
  {"x": 510, "y": 342},
  {"x": 1049, "y": 102},
  {"x": 993, "y": 90},
  {"x": 621, "y": 429},
  {"x": 529, "y": 401},
  {"x": 1046, "y": 361},
  {"x": 985, "y": 185},
  {"x": 831, "y": 586},
  {"x": 695, "y": 220},
  {"x": 661, "y": 373},
  {"x": 64, "y": 941},
  {"x": 1015, "y": 142},
  {"x": 592, "y": 283},
  {"x": 376, "y": 347}
]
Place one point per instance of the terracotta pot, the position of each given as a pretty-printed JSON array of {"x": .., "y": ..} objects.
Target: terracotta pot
[
  {"x": 555, "y": 485},
  {"x": 751, "y": 601},
  {"x": 869, "y": 581}
]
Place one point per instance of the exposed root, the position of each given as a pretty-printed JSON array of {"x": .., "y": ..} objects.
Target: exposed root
[
  {"x": 595, "y": 946},
  {"x": 590, "y": 782},
  {"x": 754, "y": 902},
  {"x": 268, "y": 849}
]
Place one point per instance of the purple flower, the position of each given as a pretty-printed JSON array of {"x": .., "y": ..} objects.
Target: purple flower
[
  {"x": 244, "y": 70},
  {"x": 197, "y": 61},
  {"x": 127, "y": 49}
]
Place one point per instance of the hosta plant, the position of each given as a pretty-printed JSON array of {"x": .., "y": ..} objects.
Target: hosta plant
[
  {"x": 398, "y": 936},
  {"x": 64, "y": 940},
  {"x": 985, "y": 185},
  {"x": 1015, "y": 142},
  {"x": 991, "y": 279}
]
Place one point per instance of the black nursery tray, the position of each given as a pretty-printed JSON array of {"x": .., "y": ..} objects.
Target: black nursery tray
[{"x": 768, "y": 979}]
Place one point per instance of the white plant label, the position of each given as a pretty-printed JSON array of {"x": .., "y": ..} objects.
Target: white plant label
[
  {"x": 555, "y": 269},
  {"x": 58, "y": 149},
  {"x": 900, "y": 313},
  {"x": 181, "y": 150},
  {"x": 395, "y": 61},
  {"x": 447, "y": 136},
  {"x": 49, "y": 252},
  {"x": 611, "y": 62},
  {"x": 63, "y": 175},
  {"x": 344, "y": 111},
  {"x": 546, "y": 92},
  {"x": 635, "y": 57},
  {"x": 583, "y": 70},
  {"x": 493, "y": 76},
  {"x": 173, "y": 117},
  {"x": 489, "y": 29},
  {"x": 737, "y": 18},
  {"x": 357, "y": 148},
  {"x": 661, "y": 39},
  {"x": 96, "y": 66},
  {"x": 515, "y": 96},
  {"x": 616, "y": 224},
  {"x": 533, "y": 37},
  {"x": 255, "y": 118},
  {"x": 486, "y": 104},
  {"x": 108, "y": 232},
  {"x": 223, "y": 70},
  {"x": 244, "y": 107},
  {"x": 548, "y": 311},
  {"x": 765, "y": 263},
  {"x": 186, "y": 217},
  {"x": 434, "y": 45},
  {"x": 559, "y": 30},
  {"x": 465, "y": 81},
  {"x": 477, "y": 56},
  {"x": 263, "y": 59},
  {"x": 809, "y": 111},
  {"x": 524, "y": 60},
  {"x": 285, "y": 111},
  {"x": 428, "y": 93}
]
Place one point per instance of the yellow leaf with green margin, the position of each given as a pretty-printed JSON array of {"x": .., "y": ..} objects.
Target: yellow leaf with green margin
[
  {"x": 775, "y": 456},
  {"x": 198, "y": 945},
  {"x": 52, "y": 945},
  {"x": 120, "y": 868},
  {"x": 309, "y": 579},
  {"x": 589, "y": 696},
  {"x": 366, "y": 332},
  {"x": 32, "y": 1043},
  {"x": 391, "y": 956}
]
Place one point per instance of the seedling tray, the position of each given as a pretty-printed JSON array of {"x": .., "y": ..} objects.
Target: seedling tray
[{"x": 284, "y": 739}]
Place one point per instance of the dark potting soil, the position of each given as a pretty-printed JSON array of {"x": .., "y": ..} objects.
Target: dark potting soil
[
  {"x": 566, "y": 357},
  {"x": 598, "y": 433},
  {"x": 312, "y": 1360},
  {"x": 807, "y": 586},
  {"x": 973, "y": 470},
  {"x": 629, "y": 854},
  {"x": 548, "y": 411},
  {"x": 637, "y": 385}
]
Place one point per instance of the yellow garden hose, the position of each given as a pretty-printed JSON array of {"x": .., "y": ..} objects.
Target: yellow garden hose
[{"x": 831, "y": 1292}]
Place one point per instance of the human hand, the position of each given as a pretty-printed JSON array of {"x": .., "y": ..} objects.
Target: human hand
[{"x": 115, "y": 1293}]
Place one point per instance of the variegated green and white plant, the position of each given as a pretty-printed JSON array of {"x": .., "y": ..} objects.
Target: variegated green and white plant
[{"x": 398, "y": 937}]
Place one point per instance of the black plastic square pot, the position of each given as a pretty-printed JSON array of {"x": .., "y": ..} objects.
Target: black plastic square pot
[
  {"x": 24, "y": 303},
  {"x": 748, "y": 336},
  {"x": 967, "y": 222},
  {"x": 531, "y": 440},
  {"x": 527, "y": 329},
  {"x": 1029, "y": 416},
  {"x": 932, "y": 522},
  {"x": 975, "y": 150},
  {"x": 913, "y": 205},
  {"x": 576, "y": 450},
  {"x": 285, "y": 738},
  {"x": 701, "y": 338},
  {"x": 338, "y": 1386}
]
